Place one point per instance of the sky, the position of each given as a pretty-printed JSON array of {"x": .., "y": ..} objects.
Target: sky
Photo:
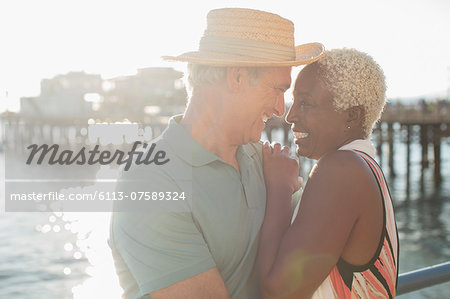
[{"x": 410, "y": 39}]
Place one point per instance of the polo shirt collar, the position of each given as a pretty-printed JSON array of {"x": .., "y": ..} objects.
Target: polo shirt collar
[
  {"x": 244, "y": 156},
  {"x": 249, "y": 151},
  {"x": 185, "y": 146},
  {"x": 190, "y": 150}
]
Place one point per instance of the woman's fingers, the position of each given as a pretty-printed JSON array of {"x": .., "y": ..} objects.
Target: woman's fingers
[
  {"x": 280, "y": 169},
  {"x": 276, "y": 148},
  {"x": 285, "y": 150},
  {"x": 266, "y": 150}
]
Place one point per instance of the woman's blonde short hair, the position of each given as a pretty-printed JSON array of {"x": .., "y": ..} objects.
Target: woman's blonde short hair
[{"x": 354, "y": 79}]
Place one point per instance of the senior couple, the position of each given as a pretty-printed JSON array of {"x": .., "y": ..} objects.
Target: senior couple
[{"x": 240, "y": 236}]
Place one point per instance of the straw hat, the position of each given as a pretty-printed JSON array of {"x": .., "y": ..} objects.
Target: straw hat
[{"x": 247, "y": 37}]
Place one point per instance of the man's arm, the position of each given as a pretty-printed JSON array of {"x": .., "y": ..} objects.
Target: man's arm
[{"x": 208, "y": 284}]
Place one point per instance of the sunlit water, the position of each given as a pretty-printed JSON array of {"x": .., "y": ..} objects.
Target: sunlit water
[{"x": 65, "y": 255}]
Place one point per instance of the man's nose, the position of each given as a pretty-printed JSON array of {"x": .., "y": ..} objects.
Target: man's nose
[{"x": 279, "y": 106}]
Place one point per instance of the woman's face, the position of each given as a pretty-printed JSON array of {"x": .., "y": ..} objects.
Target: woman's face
[{"x": 317, "y": 127}]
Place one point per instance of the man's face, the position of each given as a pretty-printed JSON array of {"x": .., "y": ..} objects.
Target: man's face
[{"x": 261, "y": 101}]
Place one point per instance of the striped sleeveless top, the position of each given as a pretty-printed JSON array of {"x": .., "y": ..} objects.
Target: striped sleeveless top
[{"x": 378, "y": 278}]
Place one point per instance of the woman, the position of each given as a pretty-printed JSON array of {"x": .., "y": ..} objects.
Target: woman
[{"x": 343, "y": 243}]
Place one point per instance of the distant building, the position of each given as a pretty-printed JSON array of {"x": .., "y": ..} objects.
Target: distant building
[
  {"x": 151, "y": 91},
  {"x": 77, "y": 95},
  {"x": 62, "y": 97}
]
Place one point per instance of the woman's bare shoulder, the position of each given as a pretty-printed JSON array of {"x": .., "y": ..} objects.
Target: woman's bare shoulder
[
  {"x": 343, "y": 173},
  {"x": 344, "y": 164}
]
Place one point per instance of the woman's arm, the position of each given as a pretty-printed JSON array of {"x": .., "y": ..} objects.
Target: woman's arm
[{"x": 294, "y": 259}]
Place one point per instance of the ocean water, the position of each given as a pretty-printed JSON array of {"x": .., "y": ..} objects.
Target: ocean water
[{"x": 65, "y": 255}]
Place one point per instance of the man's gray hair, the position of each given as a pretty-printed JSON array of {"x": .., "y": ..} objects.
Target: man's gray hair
[{"x": 198, "y": 75}]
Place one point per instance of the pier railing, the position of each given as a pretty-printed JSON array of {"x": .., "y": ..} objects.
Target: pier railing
[
  {"x": 423, "y": 278},
  {"x": 411, "y": 116}
]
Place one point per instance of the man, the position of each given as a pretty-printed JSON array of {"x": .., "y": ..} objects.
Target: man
[{"x": 206, "y": 247}]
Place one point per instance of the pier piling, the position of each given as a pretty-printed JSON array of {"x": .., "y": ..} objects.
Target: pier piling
[
  {"x": 424, "y": 143},
  {"x": 391, "y": 149},
  {"x": 408, "y": 158},
  {"x": 437, "y": 153}
]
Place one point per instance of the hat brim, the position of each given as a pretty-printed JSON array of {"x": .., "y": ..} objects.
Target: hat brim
[{"x": 305, "y": 54}]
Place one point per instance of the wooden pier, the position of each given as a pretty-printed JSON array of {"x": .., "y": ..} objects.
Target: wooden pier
[
  {"x": 408, "y": 125},
  {"x": 426, "y": 127}
]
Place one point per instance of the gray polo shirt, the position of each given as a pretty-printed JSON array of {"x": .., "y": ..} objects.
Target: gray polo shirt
[{"x": 218, "y": 227}]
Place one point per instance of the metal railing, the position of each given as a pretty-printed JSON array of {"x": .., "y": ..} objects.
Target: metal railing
[{"x": 422, "y": 278}]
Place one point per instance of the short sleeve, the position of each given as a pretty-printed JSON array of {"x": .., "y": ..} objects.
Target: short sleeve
[
  {"x": 161, "y": 250},
  {"x": 154, "y": 250}
]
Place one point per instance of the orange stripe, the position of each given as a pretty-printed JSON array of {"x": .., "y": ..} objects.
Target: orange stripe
[
  {"x": 386, "y": 275},
  {"x": 391, "y": 267},
  {"x": 390, "y": 261},
  {"x": 384, "y": 272},
  {"x": 375, "y": 283},
  {"x": 339, "y": 286}
]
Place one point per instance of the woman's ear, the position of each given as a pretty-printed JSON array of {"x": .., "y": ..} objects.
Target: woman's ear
[
  {"x": 237, "y": 77},
  {"x": 355, "y": 116}
]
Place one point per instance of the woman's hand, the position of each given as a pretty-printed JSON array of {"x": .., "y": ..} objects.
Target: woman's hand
[{"x": 280, "y": 169}]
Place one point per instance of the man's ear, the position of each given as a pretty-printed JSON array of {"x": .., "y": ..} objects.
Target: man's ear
[
  {"x": 237, "y": 78},
  {"x": 355, "y": 116}
]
